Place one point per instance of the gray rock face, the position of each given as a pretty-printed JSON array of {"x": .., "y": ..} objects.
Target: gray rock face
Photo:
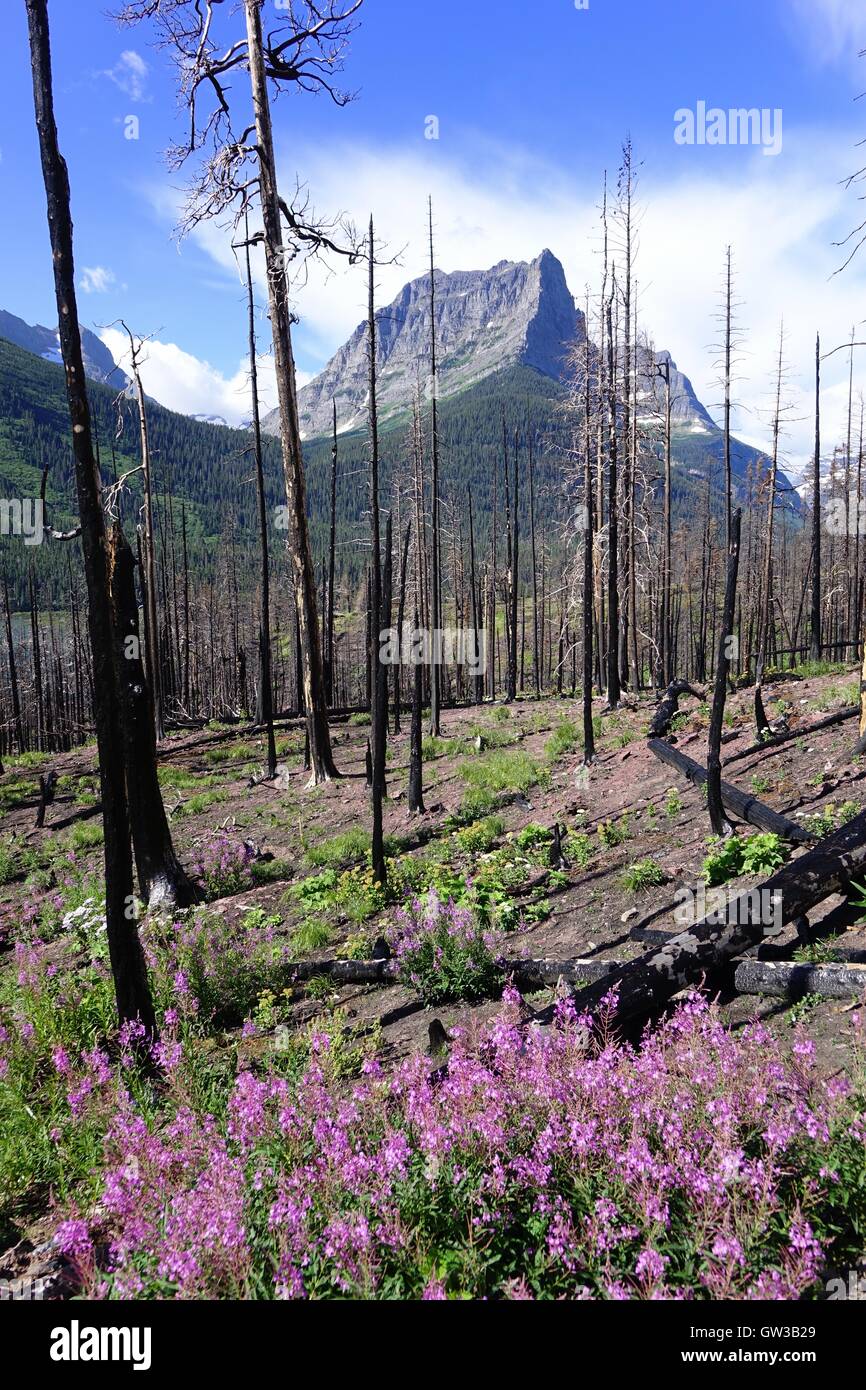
[
  {"x": 99, "y": 364},
  {"x": 516, "y": 312},
  {"x": 686, "y": 409}
]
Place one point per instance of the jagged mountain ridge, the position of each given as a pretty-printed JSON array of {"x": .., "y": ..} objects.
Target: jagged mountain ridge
[
  {"x": 99, "y": 365},
  {"x": 486, "y": 320},
  {"x": 516, "y": 313}
]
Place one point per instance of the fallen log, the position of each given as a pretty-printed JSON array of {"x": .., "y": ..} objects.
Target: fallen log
[
  {"x": 691, "y": 955},
  {"x": 525, "y": 973},
  {"x": 742, "y": 804},
  {"x": 801, "y": 732},
  {"x": 793, "y": 979},
  {"x": 668, "y": 707}
]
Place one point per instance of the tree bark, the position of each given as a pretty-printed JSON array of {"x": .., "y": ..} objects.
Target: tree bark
[
  {"x": 648, "y": 983},
  {"x": 718, "y": 821},
  {"x": 125, "y": 953},
  {"x": 162, "y": 881},
  {"x": 315, "y": 706},
  {"x": 742, "y": 804}
]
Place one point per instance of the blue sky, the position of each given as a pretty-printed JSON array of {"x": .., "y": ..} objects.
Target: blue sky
[{"x": 533, "y": 101}]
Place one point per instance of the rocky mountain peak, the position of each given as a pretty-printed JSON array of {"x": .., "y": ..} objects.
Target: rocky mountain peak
[{"x": 515, "y": 312}]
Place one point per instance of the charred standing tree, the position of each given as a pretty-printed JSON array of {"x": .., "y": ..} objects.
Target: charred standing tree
[
  {"x": 13, "y": 671},
  {"x": 416, "y": 764},
  {"x": 266, "y": 690},
  {"x": 315, "y": 707},
  {"x": 665, "y": 632},
  {"x": 435, "y": 577},
  {"x": 401, "y": 617},
  {"x": 718, "y": 819},
  {"x": 480, "y": 654},
  {"x": 515, "y": 555},
  {"x": 815, "y": 613},
  {"x": 148, "y": 547},
  {"x": 536, "y": 673},
  {"x": 126, "y": 956},
  {"x": 588, "y": 567},
  {"x": 162, "y": 881},
  {"x": 613, "y": 684},
  {"x": 332, "y": 561},
  {"x": 378, "y": 669},
  {"x": 762, "y": 724}
]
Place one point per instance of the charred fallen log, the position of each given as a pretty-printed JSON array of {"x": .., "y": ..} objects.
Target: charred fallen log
[
  {"x": 742, "y": 804},
  {"x": 692, "y": 955},
  {"x": 668, "y": 706}
]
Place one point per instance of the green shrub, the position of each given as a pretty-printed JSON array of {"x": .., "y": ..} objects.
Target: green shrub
[
  {"x": 612, "y": 832},
  {"x": 481, "y": 836},
  {"x": 350, "y": 847},
  {"x": 644, "y": 873},
  {"x": 753, "y": 854}
]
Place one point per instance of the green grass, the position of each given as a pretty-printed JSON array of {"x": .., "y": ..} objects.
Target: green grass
[
  {"x": 809, "y": 670},
  {"x": 500, "y": 771},
  {"x": 311, "y": 935},
  {"x": 8, "y": 868},
  {"x": 564, "y": 739},
  {"x": 433, "y": 747},
  {"x": 351, "y": 847},
  {"x": 85, "y": 835},
  {"x": 643, "y": 874},
  {"x": 196, "y": 805}
]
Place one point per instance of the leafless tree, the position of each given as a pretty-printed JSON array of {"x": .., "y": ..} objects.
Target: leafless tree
[{"x": 234, "y": 170}]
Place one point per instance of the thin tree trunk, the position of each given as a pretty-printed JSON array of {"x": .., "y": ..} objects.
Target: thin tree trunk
[
  {"x": 126, "y": 956},
  {"x": 315, "y": 704},
  {"x": 718, "y": 819}
]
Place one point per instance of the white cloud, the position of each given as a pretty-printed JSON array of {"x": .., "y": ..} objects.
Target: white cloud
[
  {"x": 97, "y": 279},
  {"x": 781, "y": 217},
  {"x": 190, "y": 385},
  {"x": 832, "y": 30},
  {"x": 130, "y": 75}
]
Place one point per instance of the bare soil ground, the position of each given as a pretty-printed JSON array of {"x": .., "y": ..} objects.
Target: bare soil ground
[
  {"x": 207, "y": 783},
  {"x": 207, "y": 778}
]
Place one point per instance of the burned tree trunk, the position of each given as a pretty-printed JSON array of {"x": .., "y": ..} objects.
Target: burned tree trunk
[
  {"x": 332, "y": 548},
  {"x": 714, "y": 761},
  {"x": 668, "y": 707},
  {"x": 127, "y": 959},
  {"x": 815, "y": 610},
  {"x": 266, "y": 695},
  {"x": 162, "y": 881},
  {"x": 401, "y": 617},
  {"x": 314, "y": 702},
  {"x": 377, "y": 668},
  {"x": 416, "y": 780},
  {"x": 435, "y": 577},
  {"x": 742, "y": 804},
  {"x": 690, "y": 956}
]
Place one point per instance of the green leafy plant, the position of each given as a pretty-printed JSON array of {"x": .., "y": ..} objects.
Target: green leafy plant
[
  {"x": 612, "y": 833},
  {"x": 735, "y": 855},
  {"x": 643, "y": 874}
]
